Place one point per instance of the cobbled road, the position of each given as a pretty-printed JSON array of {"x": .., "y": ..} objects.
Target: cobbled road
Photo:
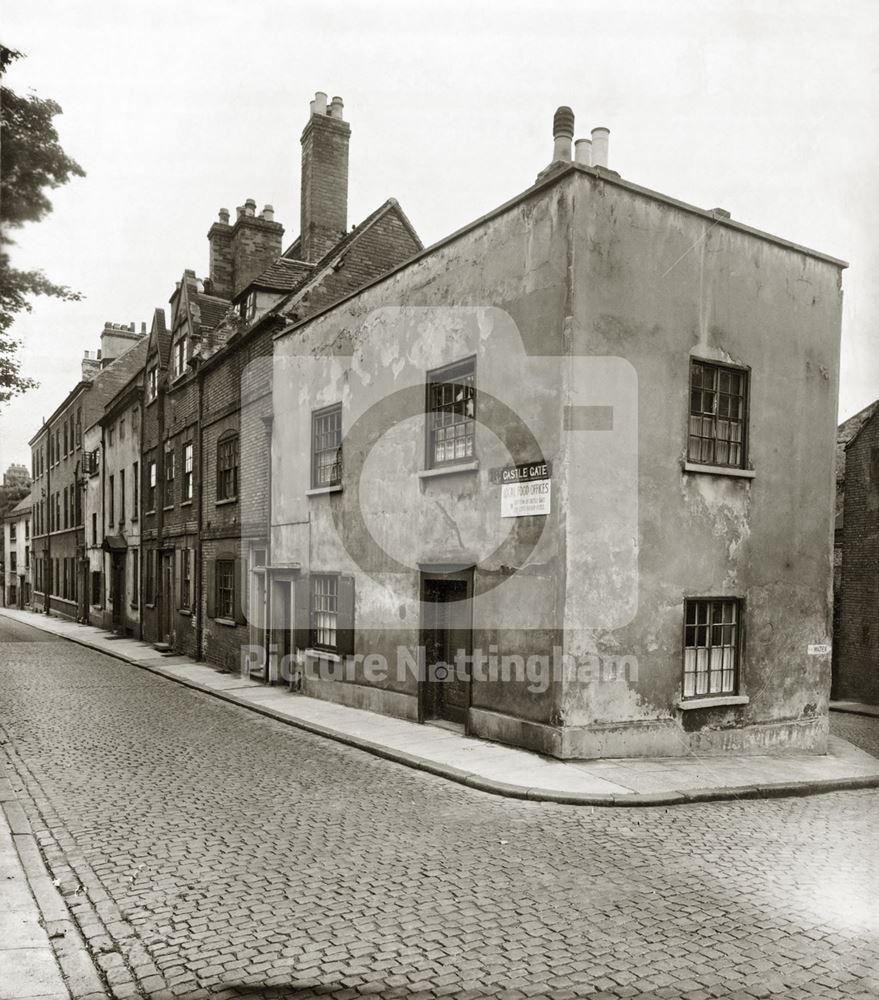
[{"x": 209, "y": 852}]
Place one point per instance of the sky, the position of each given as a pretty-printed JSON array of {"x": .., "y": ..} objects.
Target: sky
[{"x": 175, "y": 109}]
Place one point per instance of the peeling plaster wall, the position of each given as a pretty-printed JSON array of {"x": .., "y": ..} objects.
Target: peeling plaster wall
[
  {"x": 583, "y": 269},
  {"x": 655, "y": 284},
  {"x": 498, "y": 292}
]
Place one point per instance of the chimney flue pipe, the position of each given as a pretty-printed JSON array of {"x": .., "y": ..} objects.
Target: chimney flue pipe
[
  {"x": 583, "y": 152},
  {"x": 599, "y": 146}
]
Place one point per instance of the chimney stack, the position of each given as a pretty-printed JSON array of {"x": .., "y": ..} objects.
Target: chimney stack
[
  {"x": 116, "y": 339},
  {"x": 600, "y": 138},
  {"x": 324, "y": 191},
  {"x": 220, "y": 267}
]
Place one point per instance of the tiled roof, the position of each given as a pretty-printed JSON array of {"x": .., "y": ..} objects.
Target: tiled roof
[
  {"x": 212, "y": 309},
  {"x": 22, "y": 507},
  {"x": 283, "y": 274}
]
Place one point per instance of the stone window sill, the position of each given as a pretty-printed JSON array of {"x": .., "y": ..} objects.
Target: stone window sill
[
  {"x": 719, "y": 701},
  {"x": 719, "y": 470},
  {"x": 448, "y": 470},
  {"x": 169, "y": 507},
  {"x": 320, "y": 490},
  {"x": 323, "y": 654},
  {"x": 223, "y": 503},
  {"x": 185, "y": 612},
  {"x": 228, "y": 622},
  {"x": 186, "y": 503}
]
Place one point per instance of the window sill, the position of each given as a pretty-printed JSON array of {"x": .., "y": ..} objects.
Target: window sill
[
  {"x": 323, "y": 654},
  {"x": 719, "y": 470},
  {"x": 186, "y": 503},
  {"x": 150, "y": 606},
  {"x": 448, "y": 470},
  {"x": 169, "y": 507},
  {"x": 320, "y": 490},
  {"x": 149, "y": 513},
  {"x": 224, "y": 503},
  {"x": 717, "y": 701},
  {"x": 228, "y": 622},
  {"x": 185, "y": 612}
]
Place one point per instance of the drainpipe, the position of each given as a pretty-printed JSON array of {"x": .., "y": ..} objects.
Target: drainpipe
[
  {"x": 160, "y": 503},
  {"x": 196, "y": 498},
  {"x": 268, "y": 424},
  {"x": 50, "y": 509}
]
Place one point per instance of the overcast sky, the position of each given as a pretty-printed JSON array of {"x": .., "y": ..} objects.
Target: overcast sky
[{"x": 175, "y": 109}]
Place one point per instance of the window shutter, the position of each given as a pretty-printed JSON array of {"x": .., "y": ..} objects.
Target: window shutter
[
  {"x": 210, "y": 568},
  {"x": 345, "y": 618},
  {"x": 302, "y": 612},
  {"x": 239, "y": 602}
]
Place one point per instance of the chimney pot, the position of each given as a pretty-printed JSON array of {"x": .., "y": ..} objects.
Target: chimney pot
[
  {"x": 336, "y": 106},
  {"x": 224, "y": 216},
  {"x": 562, "y": 133},
  {"x": 583, "y": 152},
  {"x": 268, "y": 213},
  {"x": 320, "y": 103},
  {"x": 600, "y": 138},
  {"x": 250, "y": 207}
]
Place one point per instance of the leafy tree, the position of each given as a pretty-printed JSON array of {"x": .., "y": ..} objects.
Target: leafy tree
[{"x": 31, "y": 163}]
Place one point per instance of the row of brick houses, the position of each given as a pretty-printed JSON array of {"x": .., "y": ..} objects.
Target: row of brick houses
[{"x": 534, "y": 480}]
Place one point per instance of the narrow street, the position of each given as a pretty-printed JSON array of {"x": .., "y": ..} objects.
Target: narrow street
[{"x": 209, "y": 852}]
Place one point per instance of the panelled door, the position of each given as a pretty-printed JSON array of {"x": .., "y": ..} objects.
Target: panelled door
[{"x": 446, "y": 611}]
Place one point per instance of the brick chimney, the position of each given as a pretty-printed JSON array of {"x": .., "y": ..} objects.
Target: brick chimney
[
  {"x": 324, "y": 204},
  {"x": 116, "y": 339},
  {"x": 220, "y": 240}
]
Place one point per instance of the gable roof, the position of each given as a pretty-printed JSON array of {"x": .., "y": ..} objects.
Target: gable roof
[{"x": 160, "y": 338}]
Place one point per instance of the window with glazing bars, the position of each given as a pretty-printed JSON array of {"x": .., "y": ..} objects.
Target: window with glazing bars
[
  {"x": 451, "y": 406},
  {"x": 718, "y": 403},
  {"x": 227, "y": 468},
  {"x": 185, "y": 578},
  {"x": 711, "y": 646},
  {"x": 187, "y": 471},
  {"x": 225, "y": 588},
  {"x": 324, "y": 611},
  {"x": 326, "y": 447}
]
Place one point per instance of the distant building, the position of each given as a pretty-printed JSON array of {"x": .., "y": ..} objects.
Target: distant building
[
  {"x": 61, "y": 474},
  {"x": 112, "y": 514},
  {"x": 17, "y": 554},
  {"x": 856, "y": 666}
]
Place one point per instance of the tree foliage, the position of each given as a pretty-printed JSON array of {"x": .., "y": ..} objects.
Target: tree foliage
[{"x": 32, "y": 163}]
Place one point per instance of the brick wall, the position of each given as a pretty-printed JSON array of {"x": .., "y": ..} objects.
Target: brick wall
[{"x": 857, "y": 676}]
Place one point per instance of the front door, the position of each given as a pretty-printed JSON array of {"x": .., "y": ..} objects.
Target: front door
[
  {"x": 446, "y": 624},
  {"x": 117, "y": 589},
  {"x": 282, "y": 634},
  {"x": 167, "y": 594}
]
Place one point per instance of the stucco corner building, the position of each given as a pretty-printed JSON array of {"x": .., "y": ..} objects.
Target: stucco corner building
[{"x": 669, "y": 378}]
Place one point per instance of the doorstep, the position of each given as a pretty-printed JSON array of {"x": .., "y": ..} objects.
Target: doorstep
[{"x": 493, "y": 767}]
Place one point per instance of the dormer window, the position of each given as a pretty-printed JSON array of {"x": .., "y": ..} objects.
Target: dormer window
[
  {"x": 180, "y": 355},
  {"x": 247, "y": 307}
]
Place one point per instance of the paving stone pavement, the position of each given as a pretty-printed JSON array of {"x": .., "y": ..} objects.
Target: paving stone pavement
[{"x": 206, "y": 852}]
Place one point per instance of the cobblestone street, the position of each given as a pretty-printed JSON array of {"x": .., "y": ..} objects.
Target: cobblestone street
[{"x": 209, "y": 852}]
